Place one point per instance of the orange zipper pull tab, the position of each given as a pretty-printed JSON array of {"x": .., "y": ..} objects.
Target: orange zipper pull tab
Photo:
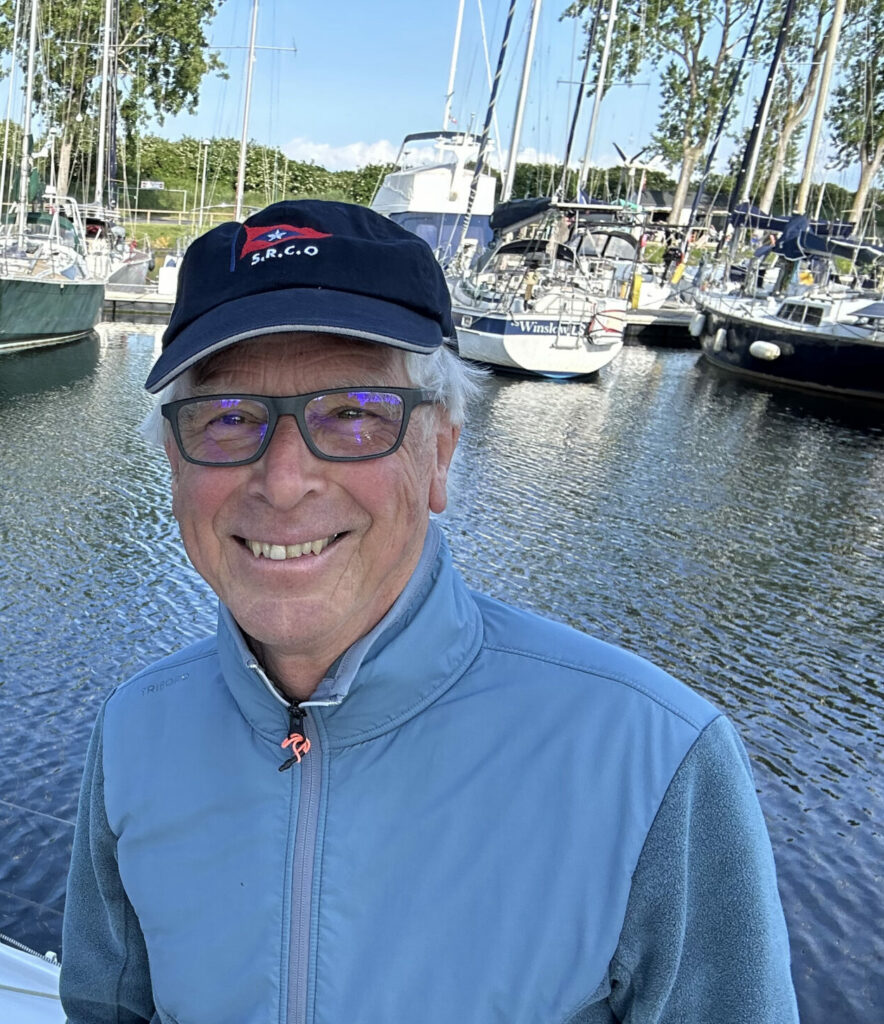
[{"x": 296, "y": 741}]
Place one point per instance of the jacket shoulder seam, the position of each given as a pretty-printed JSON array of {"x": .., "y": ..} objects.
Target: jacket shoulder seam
[{"x": 601, "y": 673}]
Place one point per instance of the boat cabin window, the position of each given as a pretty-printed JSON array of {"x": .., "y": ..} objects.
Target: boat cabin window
[
  {"x": 801, "y": 313},
  {"x": 606, "y": 246},
  {"x": 442, "y": 231}
]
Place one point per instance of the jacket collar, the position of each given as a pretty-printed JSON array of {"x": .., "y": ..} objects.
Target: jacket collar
[{"x": 420, "y": 648}]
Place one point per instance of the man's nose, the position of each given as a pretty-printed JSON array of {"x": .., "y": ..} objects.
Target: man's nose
[{"x": 288, "y": 469}]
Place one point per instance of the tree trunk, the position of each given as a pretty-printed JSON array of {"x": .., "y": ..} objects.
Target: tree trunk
[
  {"x": 64, "y": 165},
  {"x": 689, "y": 162},
  {"x": 776, "y": 172},
  {"x": 796, "y": 112},
  {"x": 870, "y": 164}
]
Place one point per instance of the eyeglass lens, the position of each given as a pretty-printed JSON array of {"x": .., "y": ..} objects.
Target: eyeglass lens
[{"x": 343, "y": 424}]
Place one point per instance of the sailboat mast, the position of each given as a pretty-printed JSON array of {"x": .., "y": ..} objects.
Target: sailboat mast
[
  {"x": 746, "y": 171},
  {"x": 446, "y": 116},
  {"x": 25, "y": 173},
  {"x": 244, "y": 139},
  {"x": 483, "y": 142},
  {"x": 520, "y": 105},
  {"x": 823, "y": 96},
  {"x": 102, "y": 108},
  {"x": 597, "y": 101},
  {"x": 590, "y": 43},
  {"x": 12, "y": 66}
]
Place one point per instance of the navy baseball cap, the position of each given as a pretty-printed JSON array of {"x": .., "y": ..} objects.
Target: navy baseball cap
[{"x": 305, "y": 265}]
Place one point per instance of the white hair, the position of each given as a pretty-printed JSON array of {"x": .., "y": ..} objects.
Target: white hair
[{"x": 454, "y": 384}]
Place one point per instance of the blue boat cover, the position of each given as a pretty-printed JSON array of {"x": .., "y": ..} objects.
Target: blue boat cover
[{"x": 745, "y": 215}]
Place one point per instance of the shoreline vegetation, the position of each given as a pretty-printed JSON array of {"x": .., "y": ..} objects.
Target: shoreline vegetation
[{"x": 198, "y": 187}]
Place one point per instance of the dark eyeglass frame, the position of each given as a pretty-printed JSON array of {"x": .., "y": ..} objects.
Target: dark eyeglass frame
[{"x": 294, "y": 405}]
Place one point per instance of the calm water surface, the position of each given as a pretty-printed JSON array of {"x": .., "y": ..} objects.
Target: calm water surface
[{"x": 733, "y": 535}]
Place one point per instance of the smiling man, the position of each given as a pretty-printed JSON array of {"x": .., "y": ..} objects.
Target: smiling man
[{"x": 374, "y": 796}]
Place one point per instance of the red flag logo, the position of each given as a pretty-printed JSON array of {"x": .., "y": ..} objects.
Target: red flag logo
[{"x": 276, "y": 234}]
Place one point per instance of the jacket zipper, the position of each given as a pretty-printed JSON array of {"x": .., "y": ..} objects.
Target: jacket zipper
[
  {"x": 296, "y": 741},
  {"x": 302, "y": 736}
]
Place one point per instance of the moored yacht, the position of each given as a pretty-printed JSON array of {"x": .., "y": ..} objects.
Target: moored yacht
[
  {"x": 813, "y": 330},
  {"x": 528, "y": 305},
  {"x": 429, "y": 193}
]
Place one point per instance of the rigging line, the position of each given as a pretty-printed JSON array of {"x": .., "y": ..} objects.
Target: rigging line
[
  {"x": 590, "y": 43},
  {"x": 497, "y": 134},
  {"x": 12, "y": 66},
  {"x": 480, "y": 157}
]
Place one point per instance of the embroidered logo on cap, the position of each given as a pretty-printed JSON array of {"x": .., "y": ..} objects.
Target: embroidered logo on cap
[{"x": 275, "y": 235}]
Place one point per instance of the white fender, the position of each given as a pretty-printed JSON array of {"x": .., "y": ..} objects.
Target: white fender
[
  {"x": 765, "y": 350},
  {"x": 697, "y": 324},
  {"x": 719, "y": 339}
]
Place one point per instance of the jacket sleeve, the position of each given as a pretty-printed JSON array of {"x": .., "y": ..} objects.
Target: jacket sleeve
[
  {"x": 105, "y": 977},
  {"x": 704, "y": 937}
]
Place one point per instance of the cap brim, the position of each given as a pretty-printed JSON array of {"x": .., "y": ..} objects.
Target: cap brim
[{"x": 316, "y": 310}]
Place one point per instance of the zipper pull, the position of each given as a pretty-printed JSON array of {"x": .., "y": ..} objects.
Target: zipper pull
[{"x": 296, "y": 741}]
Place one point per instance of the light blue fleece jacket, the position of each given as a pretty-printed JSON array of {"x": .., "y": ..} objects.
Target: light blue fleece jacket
[{"x": 500, "y": 821}]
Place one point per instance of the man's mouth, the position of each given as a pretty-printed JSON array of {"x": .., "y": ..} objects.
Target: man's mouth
[{"x": 281, "y": 552}]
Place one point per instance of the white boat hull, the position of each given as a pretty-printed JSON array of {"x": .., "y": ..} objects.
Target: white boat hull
[
  {"x": 542, "y": 345},
  {"x": 28, "y": 989}
]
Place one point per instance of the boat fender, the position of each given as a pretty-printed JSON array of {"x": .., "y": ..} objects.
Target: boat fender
[
  {"x": 765, "y": 350},
  {"x": 698, "y": 324},
  {"x": 719, "y": 340}
]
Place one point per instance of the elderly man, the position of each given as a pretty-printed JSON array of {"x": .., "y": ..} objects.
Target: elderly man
[{"x": 375, "y": 796}]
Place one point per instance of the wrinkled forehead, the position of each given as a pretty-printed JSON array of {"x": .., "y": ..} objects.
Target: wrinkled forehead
[{"x": 301, "y": 362}]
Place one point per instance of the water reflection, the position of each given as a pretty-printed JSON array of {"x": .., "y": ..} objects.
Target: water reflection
[
  {"x": 731, "y": 535},
  {"x": 34, "y": 371}
]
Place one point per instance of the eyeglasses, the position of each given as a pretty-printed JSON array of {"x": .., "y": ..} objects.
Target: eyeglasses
[{"x": 340, "y": 425}]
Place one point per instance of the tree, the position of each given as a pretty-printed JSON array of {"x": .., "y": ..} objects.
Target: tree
[
  {"x": 160, "y": 58},
  {"x": 797, "y": 82},
  {"x": 692, "y": 42},
  {"x": 856, "y": 112}
]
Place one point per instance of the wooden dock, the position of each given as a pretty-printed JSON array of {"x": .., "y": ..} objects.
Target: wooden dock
[
  {"x": 665, "y": 327},
  {"x": 142, "y": 304}
]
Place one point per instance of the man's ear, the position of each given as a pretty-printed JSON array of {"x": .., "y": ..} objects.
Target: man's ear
[
  {"x": 446, "y": 437},
  {"x": 174, "y": 457}
]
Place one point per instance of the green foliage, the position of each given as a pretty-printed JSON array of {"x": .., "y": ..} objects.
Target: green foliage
[
  {"x": 632, "y": 41},
  {"x": 856, "y": 110},
  {"x": 159, "y": 61},
  {"x": 270, "y": 175}
]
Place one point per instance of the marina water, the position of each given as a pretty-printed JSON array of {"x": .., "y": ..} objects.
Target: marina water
[{"x": 732, "y": 535}]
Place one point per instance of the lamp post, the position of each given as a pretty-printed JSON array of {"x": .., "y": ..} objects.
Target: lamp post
[{"x": 205, "y": 155}]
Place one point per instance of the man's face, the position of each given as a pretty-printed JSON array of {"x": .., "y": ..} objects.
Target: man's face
[{"x": 367, "y": 520}]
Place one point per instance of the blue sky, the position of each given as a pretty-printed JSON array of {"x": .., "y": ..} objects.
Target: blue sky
[
  {"x": 366, "y": 73},
  {"x": 340, "y": 83}
]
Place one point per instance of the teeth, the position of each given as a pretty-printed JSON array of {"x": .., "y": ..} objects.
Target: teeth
[{"x": 280, "y": 552}]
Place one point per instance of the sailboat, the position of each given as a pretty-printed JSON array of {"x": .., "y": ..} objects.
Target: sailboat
[
  {"x": 530, "y": 305},
  {"x": 811, "y": 327},
  {"x": 535, "y": 302},
  {"x": 47, "y": 293}
]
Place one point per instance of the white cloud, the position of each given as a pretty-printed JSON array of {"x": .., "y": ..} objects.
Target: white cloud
[
  {"x": 358, "y": 154},
  {"x": 340, "y": 158},
  {"x": 530, "y": 155}
]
